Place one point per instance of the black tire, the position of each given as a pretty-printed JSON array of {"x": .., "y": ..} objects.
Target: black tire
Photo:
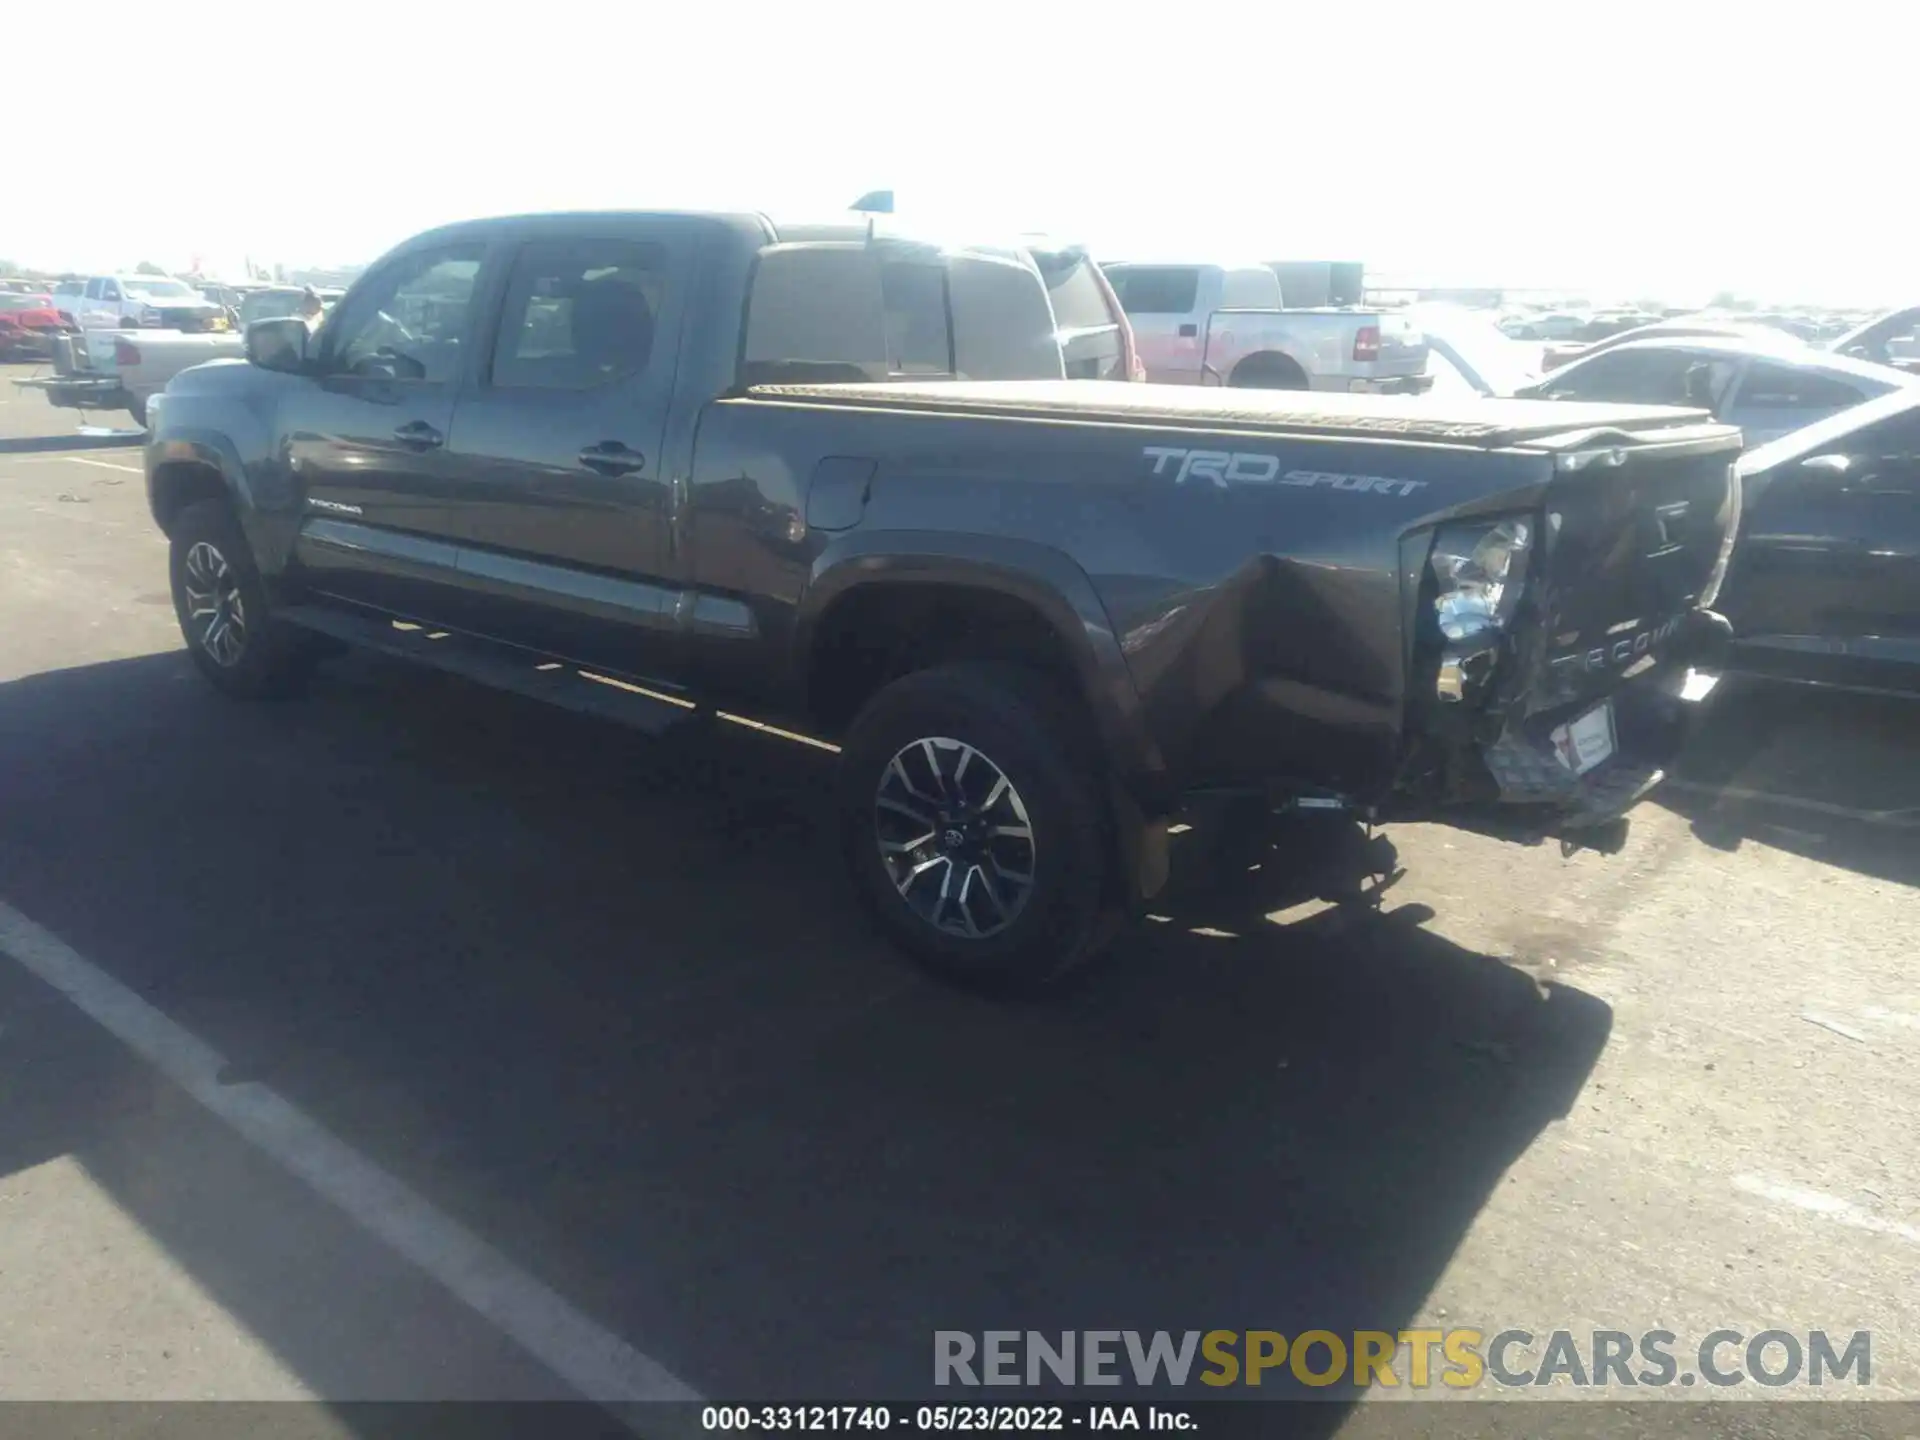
[
  {"x": 210, "y": 559},
  {"x": 137, "y": 408},
  {"x": 1018, "y": 723}
]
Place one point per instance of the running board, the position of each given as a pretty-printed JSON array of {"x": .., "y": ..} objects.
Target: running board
[{"x": 501, "y": 667}]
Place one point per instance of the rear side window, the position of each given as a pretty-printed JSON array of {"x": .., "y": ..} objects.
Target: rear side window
[
  {"x": 1249, "y": 289},
  {"x": 840, "y": 313},
  {"x": 1156, "y": 289},
  {"x": 1078, "y": 302},
  {"x": 579, "y": 314},
  {"x": 1783, "y": 387},
  {"x": 913, "y": 302}
]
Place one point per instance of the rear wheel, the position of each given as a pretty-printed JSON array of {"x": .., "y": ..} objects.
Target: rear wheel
[
  {"x": 973, "y": 832},
  {"x": 222, "y": 607}
]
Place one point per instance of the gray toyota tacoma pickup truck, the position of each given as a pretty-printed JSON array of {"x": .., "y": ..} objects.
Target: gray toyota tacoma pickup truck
[{"x": 830, "y": 478}]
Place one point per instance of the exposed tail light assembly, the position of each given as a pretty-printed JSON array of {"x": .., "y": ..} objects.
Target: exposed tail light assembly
[{"x": 1479, "y": 568}]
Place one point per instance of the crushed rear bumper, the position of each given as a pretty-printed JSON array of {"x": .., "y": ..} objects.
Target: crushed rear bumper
[{"x": 1538, "y": 790}]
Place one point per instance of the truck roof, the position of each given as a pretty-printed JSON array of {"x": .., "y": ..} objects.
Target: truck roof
[
  {"x": 839, "y": 225},
  {"x": 1484, "y": 424}
]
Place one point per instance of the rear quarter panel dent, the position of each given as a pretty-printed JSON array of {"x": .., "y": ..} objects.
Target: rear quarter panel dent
[{"x": 1045, "y": 578}]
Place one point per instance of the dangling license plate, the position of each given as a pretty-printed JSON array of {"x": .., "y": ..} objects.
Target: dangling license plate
[{"x": 1585, "y": 742}]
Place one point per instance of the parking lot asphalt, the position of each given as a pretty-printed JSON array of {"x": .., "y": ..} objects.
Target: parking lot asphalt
[{"x": 596, "y": 1007}]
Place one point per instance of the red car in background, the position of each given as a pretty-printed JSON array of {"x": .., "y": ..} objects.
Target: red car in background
[{"x": 28, "y": 324}]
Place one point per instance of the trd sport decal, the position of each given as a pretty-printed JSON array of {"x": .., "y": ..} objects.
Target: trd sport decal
[{"x": 1228, "y": 467}]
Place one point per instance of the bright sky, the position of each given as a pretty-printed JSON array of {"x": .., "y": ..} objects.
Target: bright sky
[{"x": 1673, "y": 148}]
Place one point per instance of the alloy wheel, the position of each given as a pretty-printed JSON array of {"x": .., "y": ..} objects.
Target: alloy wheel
[
  {"x": 955, "y": 837},
  {"x": 215, "y": 610}
]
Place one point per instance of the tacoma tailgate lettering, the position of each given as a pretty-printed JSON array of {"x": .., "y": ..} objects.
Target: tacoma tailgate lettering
[{"x": 1619, "y": 652}]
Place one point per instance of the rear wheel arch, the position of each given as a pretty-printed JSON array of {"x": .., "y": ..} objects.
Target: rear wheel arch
[
  {"x": 1041, "y": 618},
  {"x": 1062, "y": 611},
  {"x": 1269, "y": 370},
  {"x": 878, "y": 630}
]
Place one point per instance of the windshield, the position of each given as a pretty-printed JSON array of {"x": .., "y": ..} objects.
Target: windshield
[
  {"x": 1472, "y": 341},
  {"x": 23, "y": 302},
  {"x": 159, "y": 289}
]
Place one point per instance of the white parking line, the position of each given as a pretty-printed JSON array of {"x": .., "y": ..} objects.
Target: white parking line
[
  {"x": 68, "y": 460},
  {"x": 1903, "y": 819},
  {"x": 592, "y": 1360},
  {"x": 1829, "y": 1207}
]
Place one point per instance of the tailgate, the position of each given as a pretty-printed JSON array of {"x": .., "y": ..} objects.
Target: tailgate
[
  {"x": 159, "y": 357},
  {"x": 1403, "y": 348},
  {"x": 1637, "y": 535}
]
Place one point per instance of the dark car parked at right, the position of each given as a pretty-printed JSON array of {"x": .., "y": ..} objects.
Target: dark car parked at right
[
  {"x": 1768, "y": 388},
  {"x": 1824, "y": 587},
  {"x": 1890, "y": 339}
]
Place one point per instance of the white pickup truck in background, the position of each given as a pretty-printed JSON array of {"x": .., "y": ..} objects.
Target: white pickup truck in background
[
  {"x": 122, "y": 369},
  {"x": 1226, "y": 325},
  {"x": 107, "y": 370}
]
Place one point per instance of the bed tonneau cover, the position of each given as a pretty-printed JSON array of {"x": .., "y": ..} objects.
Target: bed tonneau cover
[{"x": 1480, "y": 423}]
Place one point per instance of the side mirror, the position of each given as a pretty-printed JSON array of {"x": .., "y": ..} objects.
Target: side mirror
[{"x": 278, "y": 345}]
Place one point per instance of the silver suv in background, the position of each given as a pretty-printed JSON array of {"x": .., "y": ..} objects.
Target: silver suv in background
[{"x": 1226, "y": 325}]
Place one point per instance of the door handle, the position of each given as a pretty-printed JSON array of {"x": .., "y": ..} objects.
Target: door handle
[
  {"x": 611, "y": 457},
  {"x": 419, "y": 435},
  {"x": 1188, "y": 332}
]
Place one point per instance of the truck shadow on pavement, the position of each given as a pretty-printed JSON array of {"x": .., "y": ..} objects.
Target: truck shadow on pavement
[
  {"x": 1824, "y": 774},
  {"x": 604, "y": 1000},
  {"x": 107, "y": 438}
]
